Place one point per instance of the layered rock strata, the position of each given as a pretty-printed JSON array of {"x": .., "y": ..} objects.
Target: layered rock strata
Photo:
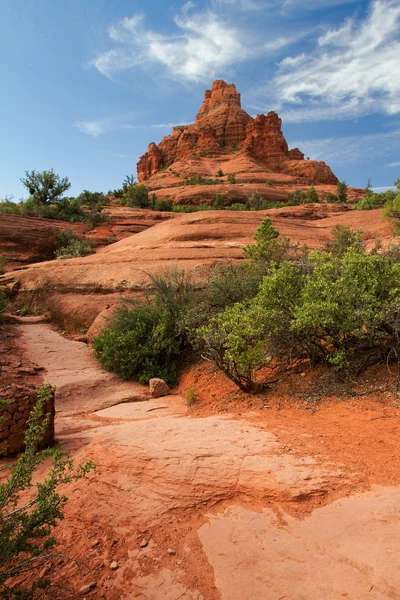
[{"x": 223, "y": 127}]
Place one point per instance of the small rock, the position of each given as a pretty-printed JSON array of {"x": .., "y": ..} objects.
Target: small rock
[
  {"x": 158, "y": 388},
  {"x": 86, "y": 588},
  {"x": 95, "y": 543},
  {"x": 114, "y": 565},
  {"x": 144, "y": 543},
  {"x": 171, "y": 552}
]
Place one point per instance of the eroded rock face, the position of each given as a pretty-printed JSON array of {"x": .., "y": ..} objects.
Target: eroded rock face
[{"x": 222, "y": 127}]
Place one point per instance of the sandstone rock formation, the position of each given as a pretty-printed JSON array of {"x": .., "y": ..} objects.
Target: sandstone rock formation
[{"x": 222, "y": 127}]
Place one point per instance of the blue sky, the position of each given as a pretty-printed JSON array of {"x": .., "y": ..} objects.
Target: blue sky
[{"x": 87, "y": 84}]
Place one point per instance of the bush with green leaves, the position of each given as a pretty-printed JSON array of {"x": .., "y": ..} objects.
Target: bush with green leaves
[
  {"x": 94, "y": 203},
  {"x": 45, "y": 187},
  {"x": 162, "y": 205},
  {"x": 344, "y": 307},
  {"x": 256, "y": 202},
  {"x": 2, "y": 264},
  {"x": 231, "y": 178},
  {"x": 373, "y": 200},
  {"x": 311, "y": 195},
  {"x": 342, "y": 192},
  {"x": 136, "y": 196},
  {"x": 200, "y": 180},
  {"x": 331, "y": 198},
  {"x": 343, "y": 238},
  {"x": 234, "y": 341},
  {"x": 140, "y": 343},
  {"x": 219, "y": 202},
  {"x": 145, "y": 339},
  {"x": 230, "y": 283},
  {"x": 338, "y": 305},
  {"x": 26, "y": 521},
  {"x": 269, "y": 247},
  {"x": 69, "y": 245},
  {"x": 391, "y": 210},
  {"x": 297, "y": 197}
]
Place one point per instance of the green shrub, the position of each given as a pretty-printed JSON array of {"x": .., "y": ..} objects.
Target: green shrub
[
  {"x": 140, "y": 343},
  {"x": 222, "y": 143},
  {"x": 237, "y": 206},
  {"x": 344, "y": 306},
  {"x": 219, "y": 173},
  {"x": 24, "y": 311},
  {"x": 234, "y": 341},
  {"x": 45, "y": 187},
  {"x": 173, "y": 291},
  {"x": 219, "y": 202},
  {"x": 7, "y": 207},
  {"x": 200, "y": 180},
  {"x": 331, "y": 198},
  {"x": 162, "y": 205},
  {"x": 68, "y": 245},
  {"x": 27, "y": 522},
  {"x": 136, "y": 196},
  {"x": 256, "y": 202},
  {"x": 369, "y": 202},
  {"x": 2, "y": 264},
  {"x": 342, "y": 192},
  {"x": 343, "y": 238},
  {"x": 231, "y": 177},
  {"x": 269, "y": 246},
  {"x": 311, "y": 195},
  {"x": 191, "y": 397},
  {"x": 297, "y": 197},
  {"x": 229, "y": 283}
]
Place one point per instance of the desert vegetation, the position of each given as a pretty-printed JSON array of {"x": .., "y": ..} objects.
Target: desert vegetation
[
  {"x": 26, "y": 523},
  {"x": 256, "y": 321},
  {"x": 47, "y": 200}
]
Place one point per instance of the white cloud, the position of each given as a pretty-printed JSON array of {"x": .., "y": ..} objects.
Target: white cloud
[
  {"x": 393, "y": 164},
  {"x": 383, "y": 188},
  {"x": 310, "y": 5},
  {"x": 97, "y": 127},
  {"x": 349, "y": 149},
  {"x": 353, "y": 71},
  {"x": 94, "y": 128},
  {"x": 243, "y": 4},
  {"x": 204, "y": 45}
]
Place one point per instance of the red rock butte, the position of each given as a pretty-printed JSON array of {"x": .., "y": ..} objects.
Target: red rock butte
[{"x": 223, "y": 129}]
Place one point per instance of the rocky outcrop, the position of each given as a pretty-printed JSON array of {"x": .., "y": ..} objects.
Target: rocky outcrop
[
  {"x": 221, "y": 128},
  {"x": 20, "y": 401}
]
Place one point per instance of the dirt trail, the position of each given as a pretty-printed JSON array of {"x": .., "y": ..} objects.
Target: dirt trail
[{"x": 203, "y": 508}]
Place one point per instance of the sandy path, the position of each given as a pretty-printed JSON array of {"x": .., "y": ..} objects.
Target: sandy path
[{"x": 212, "y": 498}]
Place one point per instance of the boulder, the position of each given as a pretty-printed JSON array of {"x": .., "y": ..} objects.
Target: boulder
[{"x": 158, "y": 388}]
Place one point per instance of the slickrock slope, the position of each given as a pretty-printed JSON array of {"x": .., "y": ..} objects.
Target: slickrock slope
[
  {"x": 186, "y": 507},
  {"x": 75, "y": 291},
  {"x": 223, "y": 131},
  {"x": 25, "y": 240}
]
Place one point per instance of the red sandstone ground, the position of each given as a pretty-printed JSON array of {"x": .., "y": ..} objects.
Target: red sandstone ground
[{"x": 291, "y": 494}]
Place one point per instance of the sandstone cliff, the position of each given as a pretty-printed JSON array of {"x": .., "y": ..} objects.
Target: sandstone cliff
[{"x": 223, "y": 128}]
